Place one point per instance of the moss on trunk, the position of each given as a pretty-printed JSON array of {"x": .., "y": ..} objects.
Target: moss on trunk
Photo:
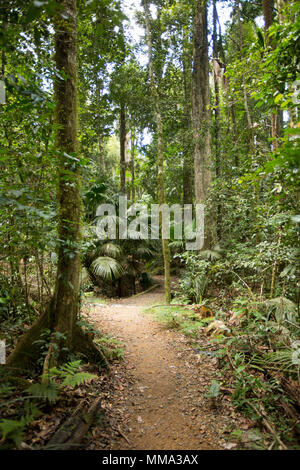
[{"x": 63, "y": 310}]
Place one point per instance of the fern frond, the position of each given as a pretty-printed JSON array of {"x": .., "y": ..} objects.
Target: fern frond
[
  {"x": 47, "y": 391},
  {"x": 78, "y": 379}
]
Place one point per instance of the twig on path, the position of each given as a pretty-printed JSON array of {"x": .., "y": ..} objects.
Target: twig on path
[{"x": 121, "y": 433}]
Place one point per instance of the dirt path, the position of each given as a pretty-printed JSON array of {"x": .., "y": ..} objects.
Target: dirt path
[{"x": 161, "y": 383}]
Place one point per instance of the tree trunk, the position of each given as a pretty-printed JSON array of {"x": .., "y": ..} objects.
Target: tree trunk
[
  {"x": 101, "y": 156},
  {"x": 122, "y": 149},
  {"x": 188, "y": 177},
  {"x": 200, "y": 110},
  {"x": 275, "y": 116},
  {"x": 246, "y": 106},
  {"x": 62, "y": 313},
  {"x": 268, "y": 13},
  {"x": 65, "y": 301},
  {"x": 132, "y": 167},
  {"x": 160, "y": 149},
  {"x": 216, "y": 113}
]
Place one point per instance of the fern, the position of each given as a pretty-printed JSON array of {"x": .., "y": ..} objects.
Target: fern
[
  {"x": 14, "y": 429},
  {"x": 47, "y": 391},
  {"x": 77, "y": 379},
  {"x": 70, "y": 375}
]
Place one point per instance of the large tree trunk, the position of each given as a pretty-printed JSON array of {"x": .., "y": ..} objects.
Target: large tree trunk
[
  {"x": 62, "y": 313},
  {"x": 66, "y": 296},
  {"x": 160, "y": 148},
  {"x": 201, "y": 111}
]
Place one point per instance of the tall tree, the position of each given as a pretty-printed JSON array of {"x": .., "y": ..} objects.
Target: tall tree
[
  {"x": 200, "y": 107},
  {"x": 216, "y": 77},
  {"x": 188, "y": 173},
  {"x": 275, "y": 116},
  {"x": 62, "y": 312},
  {"x": 66, "y": 296},
  {"x": 160, "y": 145},
  {"x": 123, "y": 148}
]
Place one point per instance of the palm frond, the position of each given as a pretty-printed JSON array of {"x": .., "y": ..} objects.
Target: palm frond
[
  {"x": 109, "y": 249},
  {"x": 107, "y": 268}
]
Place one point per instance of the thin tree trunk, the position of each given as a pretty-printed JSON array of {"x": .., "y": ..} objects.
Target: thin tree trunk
[
  {"x": 101, "y": 155},
  {"x": 188, "y": 177},
  {"x": 200, "y": 111},
  {"x": 216, "y": 113},
  {"x": 246, "y": 106},
  {"x": 122, "y": 148},
  {"x": 132, "y": 167},
  {"x": 280, "y": 7},
  {"x": 160, "y": 148},
  {"x": 275, "y": 114}
]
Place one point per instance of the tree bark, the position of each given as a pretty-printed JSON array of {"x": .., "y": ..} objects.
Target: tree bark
[
  {"x": 122, "y": 148},
  {"x": 65, "y": 301},
  {"x": 62, "y": 313},
  {"x": 275, "y": 116},
  {"x": 216, "y": 114},
  {"x": 246, "y": 106},
  {"x": 200, "y": 110},
  {"x": 132, "y": 167},
  {"x": 160, "y": 148},
  {"x": 188, "y": 177}
]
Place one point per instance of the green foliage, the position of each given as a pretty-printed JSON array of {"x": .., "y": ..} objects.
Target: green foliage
[
  {"x": 112, "y": 348},
  {"x": 54, "y": 339},
  {"x": 107, "y": 268},
  {"x": 46, "y": 391},
  {"x": 282, "y": 308},
  {"x": 214, "y": 390},
  {"x": 12, "y": 429},
  {"x": 70, "y": 375},
  {"x": 179, "y": 318},
  {"x": 198, "y": 271}
]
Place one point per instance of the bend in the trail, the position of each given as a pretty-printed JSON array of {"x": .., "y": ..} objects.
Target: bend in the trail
[{"x": 162, "y": 384}]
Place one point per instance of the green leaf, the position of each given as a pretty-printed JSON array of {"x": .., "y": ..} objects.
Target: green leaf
[{"x": 214, "y": 390}]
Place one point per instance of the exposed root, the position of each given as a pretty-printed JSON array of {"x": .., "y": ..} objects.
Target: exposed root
[
  {"x": 28, "y": 352},
  {"x": 71, "y": 433}
]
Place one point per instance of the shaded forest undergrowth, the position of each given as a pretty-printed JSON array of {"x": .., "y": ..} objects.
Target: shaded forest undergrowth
[{"x": 231, "y": 376}]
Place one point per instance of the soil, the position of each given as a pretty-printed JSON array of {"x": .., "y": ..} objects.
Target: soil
[{"x": 158, "y": 400}]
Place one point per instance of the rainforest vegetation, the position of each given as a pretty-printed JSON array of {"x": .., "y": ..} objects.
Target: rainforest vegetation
[{"x": 186, "y": 102}]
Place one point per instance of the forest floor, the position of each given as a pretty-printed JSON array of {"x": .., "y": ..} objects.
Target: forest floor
[{"x": 157, "y": 397}]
